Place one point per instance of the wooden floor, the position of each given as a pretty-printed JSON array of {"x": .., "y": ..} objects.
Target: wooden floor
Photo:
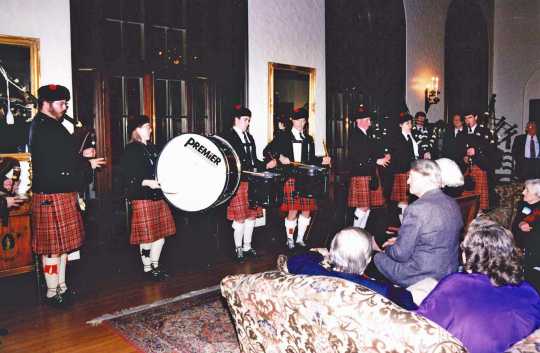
[{"x": 106, "y": 283}]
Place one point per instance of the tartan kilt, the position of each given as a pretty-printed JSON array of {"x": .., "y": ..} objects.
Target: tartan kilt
[
  {"x": 400, "y": 189},
  {"x": 151, "y": 220},
  {"x": 57, "y": 225},
  {"x": 361, "y": 196},
  {"x": 480, "y": 185},
  {"x": 238, "y": 209},
  {"x": 295, "y": 203}
]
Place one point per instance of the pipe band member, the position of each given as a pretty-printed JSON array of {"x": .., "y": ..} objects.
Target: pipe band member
[
  {"x": 478, "y": 148},
  {"x": 58, "y": 171},
  {"x": 151, "y": 217},
  {"x": 404, "y": 151},
  {"x": 239, "y": 210},
  {"x": 365, "y": 154},
  {"x": 296, "y": 145}
]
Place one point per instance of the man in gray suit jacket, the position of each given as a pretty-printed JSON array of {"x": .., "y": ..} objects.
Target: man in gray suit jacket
[{"x": 427, "y": 245}]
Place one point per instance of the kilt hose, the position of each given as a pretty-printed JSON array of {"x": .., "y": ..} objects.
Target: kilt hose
[
  {"x": 150, "y": 221},
  {"x": 400, "y": 189},
  {"x": 238, "y": 209},
  {"x": 480, "y": 185},
  {"x": 293, "y": 202},
  {"x": 57, "y": 225},
  {"x": 361, "y": 196}
]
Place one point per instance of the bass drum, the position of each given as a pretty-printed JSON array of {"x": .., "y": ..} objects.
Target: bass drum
[{"x": 198, "y": 172}]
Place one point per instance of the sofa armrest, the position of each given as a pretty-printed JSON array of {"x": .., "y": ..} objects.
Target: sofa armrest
[{"x": 530, "y": 344}]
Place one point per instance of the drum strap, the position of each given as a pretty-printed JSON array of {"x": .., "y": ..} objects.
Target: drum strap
[{"x": 247, "y": 145}]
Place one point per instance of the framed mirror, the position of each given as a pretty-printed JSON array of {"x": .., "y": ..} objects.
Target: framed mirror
[
  {"x": 19, "y": 82},
  {"x": 290, "y": 87}
]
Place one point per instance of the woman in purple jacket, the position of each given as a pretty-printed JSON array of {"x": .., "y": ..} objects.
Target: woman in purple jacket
[{"x": 490, "y": 307}]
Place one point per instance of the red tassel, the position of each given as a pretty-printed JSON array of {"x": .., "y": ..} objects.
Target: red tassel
[{"x": 50, "y": 269}]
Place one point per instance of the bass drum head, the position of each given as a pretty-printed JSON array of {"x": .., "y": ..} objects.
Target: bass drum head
[{"x": 193, "y": 172}]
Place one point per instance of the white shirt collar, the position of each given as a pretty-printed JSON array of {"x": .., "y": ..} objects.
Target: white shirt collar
[
  {"x": 364, "y": 131},
  {"x": 240, "y": 133},
  {"x": 296, "y": 133}
]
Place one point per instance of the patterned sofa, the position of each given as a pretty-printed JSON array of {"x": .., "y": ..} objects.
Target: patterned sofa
[
  {"x": 509, "y": 195},
  {"x": 279, "y": 312}
]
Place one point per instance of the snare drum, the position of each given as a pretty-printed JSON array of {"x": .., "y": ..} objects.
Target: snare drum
[
  {"x": 311, "y": 181},
  {"x": 198, "y": 172},
  {"x": 265, "y": 189}
]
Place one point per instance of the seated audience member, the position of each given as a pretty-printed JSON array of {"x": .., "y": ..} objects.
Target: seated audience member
[
  {"x": 526, "y": 229},
  {"x": 349, "y": 255},
  {"x": 452, "y": 177},
  {"x": 490, "y": 307},
  {"x": 427, "y": 242}
]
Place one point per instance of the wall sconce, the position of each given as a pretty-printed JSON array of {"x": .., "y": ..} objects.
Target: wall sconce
[{"x": 432, "y": 93}]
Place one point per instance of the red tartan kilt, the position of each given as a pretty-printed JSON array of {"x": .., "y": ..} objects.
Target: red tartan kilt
[
  {"x": 296, "y": 203},
  {"x": 57, "y": 225},
  {"x": 150, "y": 221},
  {"x": 400, "y": 189},
  {"x": 361, "y": 196},
  {"x": 238, "y": 209},
  {"x": 480, "y": 186}
]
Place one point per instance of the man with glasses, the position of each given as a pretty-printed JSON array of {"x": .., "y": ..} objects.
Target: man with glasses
[{"x": 58, "y": 172}]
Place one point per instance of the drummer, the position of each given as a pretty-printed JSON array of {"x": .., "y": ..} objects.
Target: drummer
[
  {"x": 295, "y": 145},
  {"x": 239, "y": 211},
  {"x": 151, "y": 219}
]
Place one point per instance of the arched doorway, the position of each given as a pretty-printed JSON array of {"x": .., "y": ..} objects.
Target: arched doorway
[{"x": 466, "y": 58}]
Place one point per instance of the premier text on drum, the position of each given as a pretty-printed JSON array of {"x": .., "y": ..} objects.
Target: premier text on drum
[{"x": 196, "y": 146}]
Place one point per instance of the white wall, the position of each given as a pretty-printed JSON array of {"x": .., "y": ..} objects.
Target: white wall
[
  {"x": 516, "y": 57},
  {"x": 48, "y": 21},
  {"x": 425, "y": 21},
  {"x": 287, "y": 32}
]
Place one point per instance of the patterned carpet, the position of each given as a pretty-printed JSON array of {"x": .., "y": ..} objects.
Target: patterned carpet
[{"x": 198, "y": 324}]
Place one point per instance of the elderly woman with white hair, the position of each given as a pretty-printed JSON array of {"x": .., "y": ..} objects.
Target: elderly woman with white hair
[
  {"x": 452, "y": 177},
  {"x": 526, "y": 229},
  {"x": 349, "y": 255}
]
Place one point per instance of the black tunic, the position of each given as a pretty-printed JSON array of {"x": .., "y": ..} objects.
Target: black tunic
[
  {"x": 283, "y": 144},
  {"x": 402, "y": 154},
  {"x": 452, "y": 145},
  {"x": 249, "y": 161},
  {"x": 57, "y": 166},
  {"x": 139, "y": 163},
  {"x": 483, "y": 141},
  {"x": 363, "y": 154}
]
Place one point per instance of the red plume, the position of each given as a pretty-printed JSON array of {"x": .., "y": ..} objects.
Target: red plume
[
  {"x": 53, "y": 87},
  {"x": 238, "y": 106}
]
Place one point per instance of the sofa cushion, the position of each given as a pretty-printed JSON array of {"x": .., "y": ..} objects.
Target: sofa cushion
[{"x": 280, "y": 312}]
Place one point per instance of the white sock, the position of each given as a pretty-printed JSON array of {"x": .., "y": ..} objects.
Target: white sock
[
  {"x": 303, "y": 224},
  {"x": 290, "y": 226},
  {"x": 51, "y": 267},
  {"x": 145, "y": 256},
  {"x": 238, "y": 233},
  {"x": 249, "y": 225},
  {"x": 402, "y": 206},
  {"x": 365, "y": 219},
  {"x": 358, "y": 217},
  {"x": 155, "y": 251},
  {"x": 62, "y": 273}
]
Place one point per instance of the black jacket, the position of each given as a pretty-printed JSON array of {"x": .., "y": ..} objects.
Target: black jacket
[
  {"x": 363, "y": 154},
  {"x": 452, "y": 144},
  {"x": 283, "y": 144},
  {"x": 137, "y": 164},
  {"x": 57, "y": 166},
  {"x": 525, "y": 169},
  {"x": 402, "y": 154},
  {"x": 248, "y": 162},
  {"x": 528, "y": 240},
  {"x": 483, "y": 141}
]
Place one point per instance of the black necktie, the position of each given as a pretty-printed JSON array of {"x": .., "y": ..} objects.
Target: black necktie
[
  {"x": 532, "y": 149},
  {"x": 302, "y": 137},
  {"x": 411, "y": 146},
  {"x": 248, "y": 149},
  {"x": 470, "y": 131}
]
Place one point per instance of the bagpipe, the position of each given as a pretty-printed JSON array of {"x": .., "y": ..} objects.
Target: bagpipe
[{"x": 85, "y": 137}]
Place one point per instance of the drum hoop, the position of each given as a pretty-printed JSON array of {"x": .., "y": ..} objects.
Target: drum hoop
[
  {"x": 238, "y": 167},
  {"x": 236, "y": 158}
]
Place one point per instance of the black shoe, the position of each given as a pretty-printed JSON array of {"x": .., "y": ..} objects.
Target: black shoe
[
  {"x": 58, "y": 301},
  {"x": 240, "y": 255},
  {"x": 250, "y": 253},
  {"x": 157, "y": 274},
  {"x": 69, "y": 296}
]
